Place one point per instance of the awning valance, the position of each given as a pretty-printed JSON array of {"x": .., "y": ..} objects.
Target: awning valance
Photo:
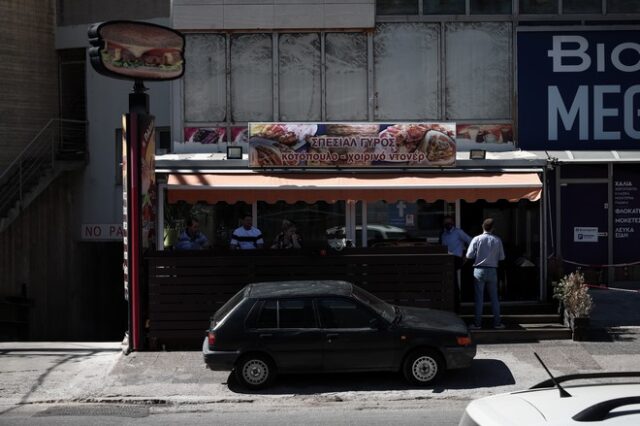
[{"x": 250, "y": 187}]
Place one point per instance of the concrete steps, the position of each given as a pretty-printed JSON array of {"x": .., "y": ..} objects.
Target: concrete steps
[{"x": 520, "y": 328}]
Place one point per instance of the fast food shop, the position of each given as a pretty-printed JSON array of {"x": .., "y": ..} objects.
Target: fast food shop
[
  {"x": 320, "y": 102},
  {"x": 364, "y": 185}
]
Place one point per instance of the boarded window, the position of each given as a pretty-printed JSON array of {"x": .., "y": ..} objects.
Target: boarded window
[
  {"x": 623, "y": 6},
  {"x": 490, "y": 7},
  {"x": 205, "y": 89},
  {"x": 539, "y": 6},
  {"x": 251, "y": 77},
  {"x": 299, "y": 77},
  {"x": 443, "y": 7},
  {"x": 407, "y": 70},
  {"x": 583, "y": 6},
  {"x": 346, "y": 76},
  {"x": 397, "y": 7},
  {"x": 478, "y": 76}
]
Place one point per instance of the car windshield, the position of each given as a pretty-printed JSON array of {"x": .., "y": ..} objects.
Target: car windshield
[{"x": 384, "y": 309}]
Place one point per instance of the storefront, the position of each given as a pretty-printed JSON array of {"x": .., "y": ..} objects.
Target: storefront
[{"x": 335, "y": 208}]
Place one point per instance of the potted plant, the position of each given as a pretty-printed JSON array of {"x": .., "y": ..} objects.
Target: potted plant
[{"x": 574, "y": 297}]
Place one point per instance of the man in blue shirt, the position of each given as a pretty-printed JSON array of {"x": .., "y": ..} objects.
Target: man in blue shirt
[
  {"x": 486, "y": 251},
  {"x": 456, "y": 240}
]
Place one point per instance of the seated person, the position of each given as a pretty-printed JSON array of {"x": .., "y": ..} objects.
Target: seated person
[
  {"x": 246, "y": 237},
  {"x": 288, "y": 238},
  {"x": 191, "y": 238}
]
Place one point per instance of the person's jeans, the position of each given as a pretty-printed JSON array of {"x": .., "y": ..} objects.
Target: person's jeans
[{"x": 488, "y": 277}]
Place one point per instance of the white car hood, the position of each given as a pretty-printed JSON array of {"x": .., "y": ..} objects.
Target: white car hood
[{"x": 545, "y": 407}]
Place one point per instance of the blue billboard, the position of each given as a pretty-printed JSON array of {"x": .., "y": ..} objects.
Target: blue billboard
[{"x": 579, "y": 90}]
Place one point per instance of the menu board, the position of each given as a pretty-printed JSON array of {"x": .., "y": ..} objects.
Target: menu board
[{"x": 626, "y": 202}]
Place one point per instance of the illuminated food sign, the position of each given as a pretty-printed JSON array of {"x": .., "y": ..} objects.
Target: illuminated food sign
[
  {"x": 136, "y": 50},
  {"x": 276, "y": 145}
]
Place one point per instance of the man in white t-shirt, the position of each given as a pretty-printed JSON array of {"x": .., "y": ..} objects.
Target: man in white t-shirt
[{"x": 247, "y": 237}]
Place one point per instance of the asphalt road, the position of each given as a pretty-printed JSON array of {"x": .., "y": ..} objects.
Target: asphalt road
[{"x": 427, "y": 412}]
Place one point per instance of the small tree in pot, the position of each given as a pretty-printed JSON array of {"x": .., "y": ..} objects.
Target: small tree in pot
[{"x": 573, "y": 294}]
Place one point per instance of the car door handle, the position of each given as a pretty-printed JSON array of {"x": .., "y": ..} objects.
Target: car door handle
[
  {"x": 331, "y": 336},
  {"x": 265, "y": 335}
]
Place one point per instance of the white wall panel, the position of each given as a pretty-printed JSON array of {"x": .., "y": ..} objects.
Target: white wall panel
[
  {"x": 204, "y": 79},
  {"x": 407, "y": 70},
  {"x": 346, "y": 76},
  {"x": 478, "y": 70},
  {"x": 251, "y": 77},
  {"x": 299, "y": 77}
]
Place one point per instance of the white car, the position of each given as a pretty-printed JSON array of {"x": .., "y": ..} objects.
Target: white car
[{"x": 594, "y": 403}]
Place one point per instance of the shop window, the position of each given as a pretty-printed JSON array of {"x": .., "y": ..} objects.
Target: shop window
[
  {"x": 410, "y": 222},
  {"x": 316, "y": 223},
  {"x": 205, "y": 87},
  {"x": 443, "y": 7},
  {"x": 582, "y": 6},
  {"x": 490, "y": 7},
  {"x": 251, "y": 77},
  {"x": 623, "y": 6},
  {"x": 407, "y": 71},
  {"x": 478, "y": 78},
  {"x": 299, "y": 77},
  {"x": 397, "y": 7},
  {"x": 346, "y": 76},
  {"x": 539, "y": 6},
  {"x": 216, "y": 221}
]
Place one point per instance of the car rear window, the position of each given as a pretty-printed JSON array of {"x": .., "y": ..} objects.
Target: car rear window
[{"x": 227, "y": 307}]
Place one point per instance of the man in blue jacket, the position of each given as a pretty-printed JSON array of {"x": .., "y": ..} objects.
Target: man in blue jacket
[{"x": 191, "y": 238}]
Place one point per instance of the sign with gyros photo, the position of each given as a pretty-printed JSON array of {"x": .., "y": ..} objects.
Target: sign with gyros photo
[
  {"x": 276, "y": 145},
  {"x": 136, "y": 50}
]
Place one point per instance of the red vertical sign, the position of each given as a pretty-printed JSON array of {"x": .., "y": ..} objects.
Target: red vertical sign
[{"x": 138, "y": 196}]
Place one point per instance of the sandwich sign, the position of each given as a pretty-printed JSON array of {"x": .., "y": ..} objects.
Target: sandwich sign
[
  {"x": 136, "y": 50},
  {"x": 579, "y": 90}
]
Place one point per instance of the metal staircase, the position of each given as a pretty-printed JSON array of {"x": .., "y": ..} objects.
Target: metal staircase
[{"x": 60, "y": 146}]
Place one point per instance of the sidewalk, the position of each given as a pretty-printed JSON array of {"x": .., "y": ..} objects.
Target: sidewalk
[{"x": 99, "y": 372}]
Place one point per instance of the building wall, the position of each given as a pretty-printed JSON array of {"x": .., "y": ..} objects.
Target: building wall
[
  {"x": 28, "y": 73},
  {"x": 76, "y": 286},
  {"x": 272, "y": 14},
  {"x": 75, "y": 12}
]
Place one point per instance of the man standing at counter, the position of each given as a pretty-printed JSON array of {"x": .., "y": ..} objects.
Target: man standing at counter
[
  {"x": 247, "y": 237},
  {"x": 486, "y": 251},
  {"x": 455, "y": 239}
]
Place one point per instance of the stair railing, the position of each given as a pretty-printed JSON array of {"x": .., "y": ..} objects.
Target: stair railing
[{"x": 59, "y": 140}]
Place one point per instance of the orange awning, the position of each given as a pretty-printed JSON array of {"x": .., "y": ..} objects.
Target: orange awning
[{"x": 250, "y": 187}]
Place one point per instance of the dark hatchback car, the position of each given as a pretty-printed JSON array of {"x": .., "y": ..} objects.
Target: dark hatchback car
[{"x": 330, "y": 326}]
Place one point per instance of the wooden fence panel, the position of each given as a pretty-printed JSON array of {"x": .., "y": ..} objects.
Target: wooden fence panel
[{"x": 185, "y": 289}]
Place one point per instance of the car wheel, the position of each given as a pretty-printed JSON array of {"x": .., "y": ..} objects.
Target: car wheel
[
  {"x": 255, "y": 371},
  {"x": 423, "y": 366}
]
